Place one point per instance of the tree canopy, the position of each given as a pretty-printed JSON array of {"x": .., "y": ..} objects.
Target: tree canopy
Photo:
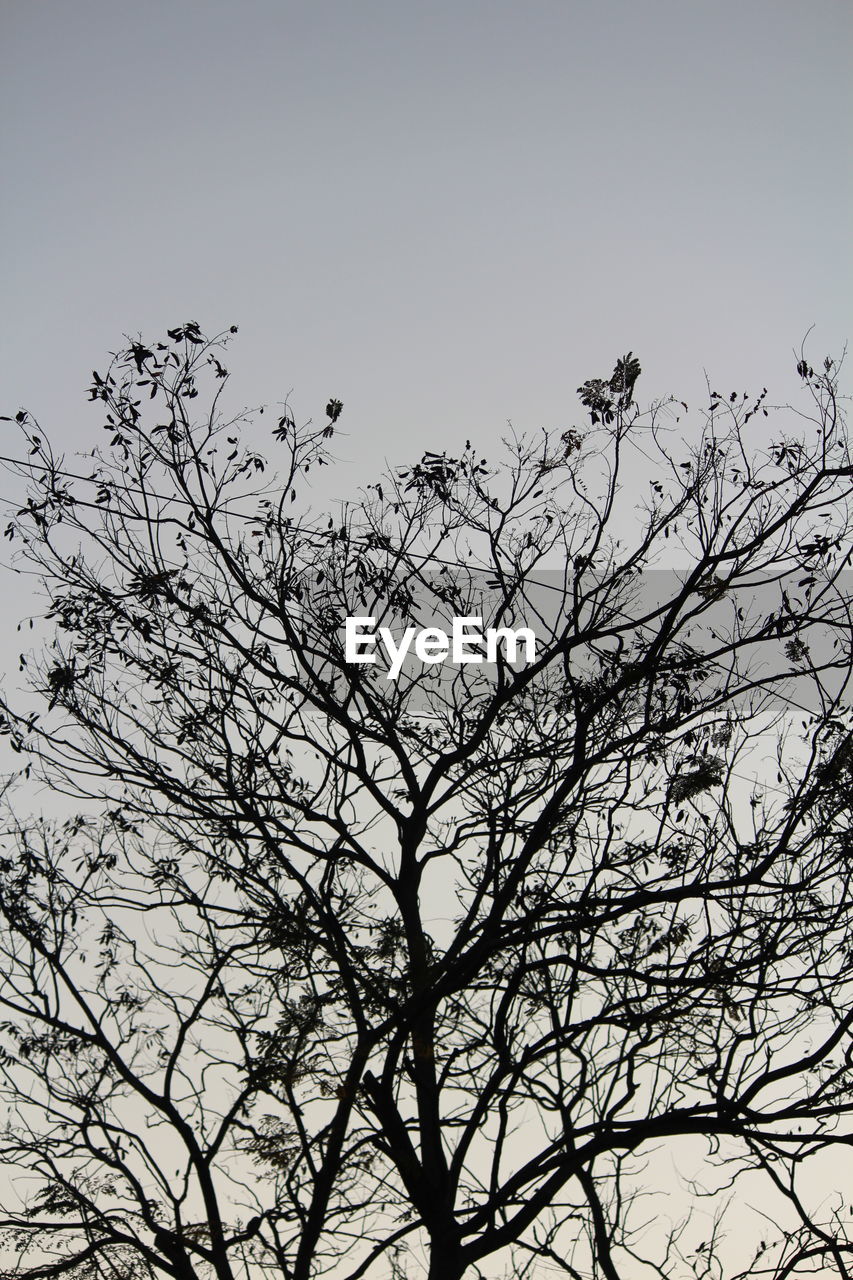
[{"x": 335, "y": 974}]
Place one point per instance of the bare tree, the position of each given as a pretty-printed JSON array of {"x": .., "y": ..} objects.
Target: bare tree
[{"x": 356, "y": 975}]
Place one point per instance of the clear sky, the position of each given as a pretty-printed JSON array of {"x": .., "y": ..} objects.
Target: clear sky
[{"x": 444, "y": 214}]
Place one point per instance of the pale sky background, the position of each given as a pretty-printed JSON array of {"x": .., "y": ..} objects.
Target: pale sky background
[{"x": 447, "y": 215}]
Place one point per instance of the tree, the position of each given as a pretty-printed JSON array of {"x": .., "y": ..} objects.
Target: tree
[{"x": 342, "y": 974}]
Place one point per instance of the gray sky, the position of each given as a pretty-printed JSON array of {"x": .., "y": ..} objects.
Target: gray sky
[{"x": 447, "y": 215}]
